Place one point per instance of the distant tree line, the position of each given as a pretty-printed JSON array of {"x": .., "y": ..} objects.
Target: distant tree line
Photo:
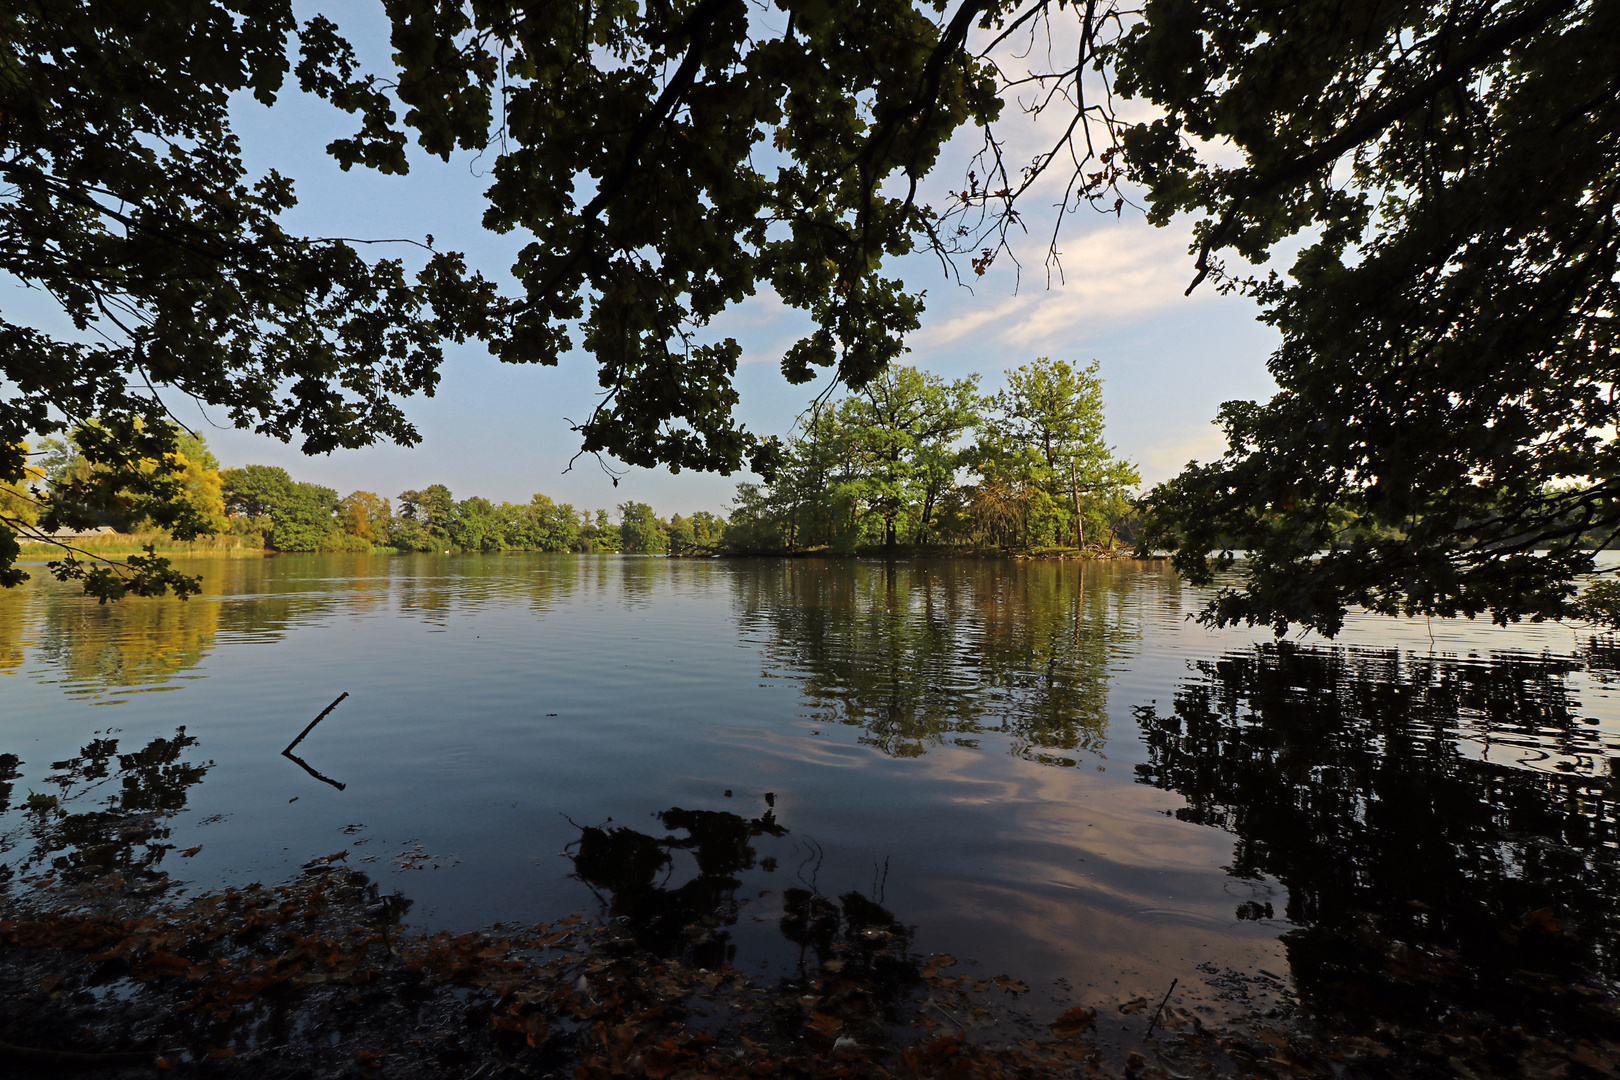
[
  {"x": 911, "y": 458},
  {"x": 264, "y": 504},
  {"x": 299, "y": 516}
]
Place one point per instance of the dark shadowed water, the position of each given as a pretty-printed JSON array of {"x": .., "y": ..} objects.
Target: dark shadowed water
[{"x": 1039, "y": 766}]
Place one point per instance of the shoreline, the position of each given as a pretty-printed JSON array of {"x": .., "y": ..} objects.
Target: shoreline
[{"x": 35, "y": 552}]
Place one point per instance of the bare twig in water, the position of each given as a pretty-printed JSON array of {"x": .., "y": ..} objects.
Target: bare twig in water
[
  {"x": 300, "y": 762},
  {"x": 1163, "y": 1002},
  {"x": 946, "y": 1013},
  {"x": 315, "y": 721}
]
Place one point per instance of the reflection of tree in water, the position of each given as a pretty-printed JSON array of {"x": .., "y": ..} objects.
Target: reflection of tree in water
[
  {"x": 923, "y": 652},
  {"x": 434, "y": 585},
  {"x": 634, "y": 869},
  {"x": 148, "y": 642},
  {"x": 261, "y": 599},
  {"x": 289, "y": 591},
  {"x": 1427, "y": 883},
  {"x": 127, "y": 830},
  {"x": 9, "y": 771},
  {"x": 639, "y": 578},
  {"x": 1602, "y": 656},
  {"x": 18, "y": 627},
  {"x": 855, "y": 962},
  {"x": 135, "y": 642},
  {"x": 143, "y": 642},
  {"x": 863, "y": 965}
]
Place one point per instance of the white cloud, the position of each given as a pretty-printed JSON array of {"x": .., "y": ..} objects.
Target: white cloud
[
  {"x": 1160, "y": 461},
  {"x": 1111, "y": 275}
]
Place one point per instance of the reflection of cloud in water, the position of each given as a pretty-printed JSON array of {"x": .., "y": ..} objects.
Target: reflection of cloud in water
[
  {"x": 1098, "y": 884},
  {"x": 767, "y": 749}
]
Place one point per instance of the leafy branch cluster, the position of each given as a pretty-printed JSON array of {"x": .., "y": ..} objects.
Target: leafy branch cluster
[
  {"x": 1447, "y": 367},
  {"x": 1445, "y": 172}
]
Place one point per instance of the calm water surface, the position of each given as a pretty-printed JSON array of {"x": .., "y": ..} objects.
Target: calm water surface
[{"x": 1041, "y": 766}]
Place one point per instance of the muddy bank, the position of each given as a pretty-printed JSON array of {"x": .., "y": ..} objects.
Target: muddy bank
[{"x": 318, "y": 978}]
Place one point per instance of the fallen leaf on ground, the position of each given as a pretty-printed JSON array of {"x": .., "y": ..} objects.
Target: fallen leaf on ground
[{"x": 1073, "y": 1022}]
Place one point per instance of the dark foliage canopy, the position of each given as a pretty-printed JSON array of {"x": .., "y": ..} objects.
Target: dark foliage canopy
[
  {"x": 123, "y": 198},
  {"x": 1442, "y": 441},
  {"x": 630, "y": 142},
  {"x": 1446, "y": 172}
]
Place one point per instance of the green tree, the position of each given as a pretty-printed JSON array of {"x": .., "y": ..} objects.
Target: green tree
[
  {"x": 307, "y": 521},
  {"x": 682, "y": 536},
  {"x": 1441, "y": 438},
  {"x": 253, "y": 490},
  {"x": 1006, "y": 506},
  {"x": 756, "y": 523},
  {"x": 303, "y": 516},
  {"x": 877, "y": 464},
  {"x": 474, "y": 525},
  {"x": 699, "y": 533},
  {"x": 640, "y": 531},
  {"x": 598, "y": 533},
  {"x": 1048, "y": 425},
  {"x": 807, "y": 501},
  {"x": 707, "y": 529},
  {"x": 900, "y": 437},
  {"x": 512, "y": 522},
  {"x": 425, "y": 519},
  {"x": 548, "y": 525}
]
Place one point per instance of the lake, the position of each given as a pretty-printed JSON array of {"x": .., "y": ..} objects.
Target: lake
[{"x": 1040, "y": 767}]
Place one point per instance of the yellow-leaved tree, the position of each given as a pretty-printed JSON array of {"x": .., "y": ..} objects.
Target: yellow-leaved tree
[
  {"x": 182, "y": 486},
  {"x": 18, "y": 506}
]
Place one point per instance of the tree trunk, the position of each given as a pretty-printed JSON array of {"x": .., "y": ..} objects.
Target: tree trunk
[
  {"x": 1074, "y": 492},
  {"x": 927, "y": 511}
]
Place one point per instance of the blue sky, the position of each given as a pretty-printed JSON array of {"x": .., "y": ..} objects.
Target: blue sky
[{"x": 502, "y": 431}]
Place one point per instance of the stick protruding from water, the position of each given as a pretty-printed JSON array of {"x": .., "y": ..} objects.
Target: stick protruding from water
[
  {"x": 315, "y": 721},
  {"x": 1156, "y": 1012}
]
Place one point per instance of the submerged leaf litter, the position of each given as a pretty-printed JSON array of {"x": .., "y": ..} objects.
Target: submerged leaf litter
[{"x": 318, "y": 977}]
